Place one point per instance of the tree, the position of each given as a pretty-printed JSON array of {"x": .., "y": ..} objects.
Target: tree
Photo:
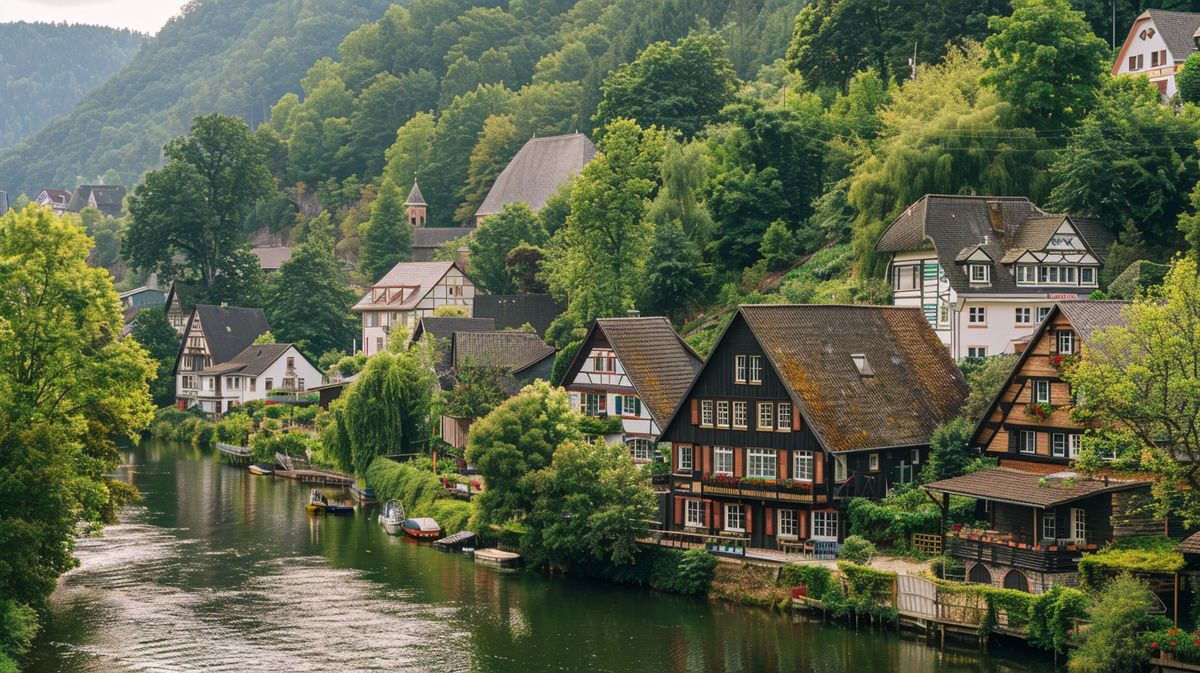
[
  {"x": 1188, "y": 80},
  {"x": 1117, "y": 619},
  {"x": 680, "y": 201},
  {"x": 984, "y": 382},
  {"x": 476, "y": 391},
  {"x": 498, "y": 143},
  {"x": 523, "y": 264},
  {"x": 673, "y": 276},
  {"x": 495, "y": 237},
  {"x": 387, "y": 236},
  {"x": 681, "y": 86},
  {"x": 949, "y": 450},
  {"x": 778, "y": 247},
  {"x": 592, "y": 504},
  {"x": 514, "y": 441},
  {"x": 1045, "y": 61},
  {"x": 309, "y": 302},
  {"x": 192, "y": 208},
  {"x": 69, "y": 386},
  {"x": 161, "y": 341},
  {"x": 1137, "y": 384}
]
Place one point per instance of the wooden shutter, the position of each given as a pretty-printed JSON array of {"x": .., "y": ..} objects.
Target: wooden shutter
[
  {"x": 795, "y": 418},
  {"x": 782, "y": 469},
  {"x": 1012, "y": 441},
  {"x": 708, "y": 514},
  {"x": 802, "y": 519},
  {"x": 738, "y": 458},
  {"x": 770, "y": 521},
  {"x": 617, "y": 400},
  {"x": 749, "y": 514},
  {"x": 678, "y": 511},
  {"x": 818, "y": 467},
  {"x": 695, "y": 412}
]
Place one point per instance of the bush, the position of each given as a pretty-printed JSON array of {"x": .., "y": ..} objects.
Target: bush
[
  {"x": 18, "y": 627},
  {"x": 1146, "y": 554},
  {"x": 818, "y": 579},
  {"x": 688, "y": 573},
  {"x": 893, "y": 521},
  {"x": 591, "y": 425},
  {"x": 1053, "y": 615},
  {"x": 421, "y": 493},
  {"x": 868, "y": 592},
  {"x": 234, "y": 429},
  {"x": 778, "y": 247},
  {"x": 202, "y": 436},
  {"x": 305, "y": 415},
  {"x": 857, "y": 550},
  {"x": 1114, "y": 640},
  {"x": 1188, "y": 80}
]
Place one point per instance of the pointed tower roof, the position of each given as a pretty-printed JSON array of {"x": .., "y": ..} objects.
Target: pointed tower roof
[{"x": 414, "y": 196}]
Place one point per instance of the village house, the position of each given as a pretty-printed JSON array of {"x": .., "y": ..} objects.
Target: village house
[
  {"x": 56, "y": 199},
  {"x": 257, "y": 372},
  {"x": 536, "y": 172},
  {"x": 1158, "y": 43},
  {"x": 634, "y": 369},
  {"x": 986, "y": 270},
  {"x": 179, "y": 305},
  {"x": 1041, "y": 516},
  {"x": 105, "y": 198},
  {"x": 407, "y": 293},
  {"x": 135, "y": 300},
  {"x": 798, "y": 409},
  {"x": 214, "y": 336}
]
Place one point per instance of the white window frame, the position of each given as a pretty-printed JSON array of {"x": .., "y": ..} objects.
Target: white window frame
[
  {"x": 687, "y": 455},
  {"x": 722, "y": 460},
  {"x": 783, "y": 417},
  {"x": 1042, "y": 312},
  {"x": 1041, "y": 391},
  {"x": 840, "y": 471},
  {"x": 755, "y": 372},
  {"x": 977, "y": 351},
  {"x": 980, "y": 274},
  {"x": 762, "y": 464},
  {"x": 976, "y": 315},
  {"x": 642, "y": 449},
  {"x": 693, "y": 513},
  {"x": 739, "y": 414},
  {"x": 1049, "y": 526},
  {"x": 1090, "y": 271},
  {"x": 915, "y": 456},
  {"x": 1065, "y": 338},
  {"x": 873, "y": 462},
  {"x": 1022, "y": 444},
  {"x": 1078, "y": 524},
  {"x": 706, "y": 413},
  {"x": 722, "y": 413},
  {"x": 735, "y": 518},
  {"x": 824, "y": 525},
  {"x": 1058, "y": 444},
  {"x": 1023, "y": 315},
  {"x": 739, "y": 369},
  {"x": 789, "y": 524},
  {"x": 1026, "y": 274},
  {"x": 1074, "y": 442},
  {"x": 766, "y": 421},
  {"x": 803, "y": 466}
]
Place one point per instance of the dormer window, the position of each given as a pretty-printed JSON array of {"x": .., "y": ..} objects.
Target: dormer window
[
  {"x": 980, "y": 273},
  {"x": 862, "y": 364}
]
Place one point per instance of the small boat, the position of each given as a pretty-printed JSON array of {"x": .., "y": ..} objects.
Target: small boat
[
  {"x": 462, "y": 541},
  {"x": 340, "y": 510},
  {"x": 392, "y": 517},
  {"x": 317, "y": 502},
  {"x": 422, "y": 528},
  {"x": 262, "y": 469},
  {"x": 495, "y": 558}
]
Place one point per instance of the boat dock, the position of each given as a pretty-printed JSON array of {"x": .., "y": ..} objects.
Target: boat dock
[
  {"x": 235, "y": 454},
  {"x": 319, "y": 477}
]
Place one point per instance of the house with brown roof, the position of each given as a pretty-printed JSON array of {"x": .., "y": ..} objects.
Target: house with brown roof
[
  {"x": 408, "y": 292},
  {"x": 536, "y": 172},
  {"x": 254, "y": 374},
  {"x": 214, "y": 336},
  {"x": 522, "y": 356},
  {"x": 1041, "y": 515},
  {"x": 57, "y": 199},
  {"x": 985, "y": 270},
  {"x": 1158, "y": 43},
  {"x": 635, "y": 369},
  {"x": 108, "y": 199},
  {"x": 798, "y": 409}
]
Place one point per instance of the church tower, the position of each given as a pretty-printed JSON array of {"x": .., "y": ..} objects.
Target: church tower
[{"x": 416, "y": 206}]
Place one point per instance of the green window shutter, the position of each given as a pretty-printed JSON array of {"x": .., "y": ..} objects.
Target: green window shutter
[
  {"x": 637, "y": 406},
  {"x": 930, "y": 271},
  {"x": 618, "y": 404}
]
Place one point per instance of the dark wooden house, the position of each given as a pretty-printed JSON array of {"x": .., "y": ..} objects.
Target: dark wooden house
[{"x": 800, "y": 408}]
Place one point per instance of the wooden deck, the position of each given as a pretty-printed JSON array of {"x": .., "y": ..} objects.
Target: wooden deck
[
  {"x": 235, "y": 454},
  {"x": 319, "y": 477}
]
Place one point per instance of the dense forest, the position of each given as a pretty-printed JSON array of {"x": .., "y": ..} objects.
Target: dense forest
[
  {"x": 45, "y": 69},
  {"x": 231, "y": 56}
]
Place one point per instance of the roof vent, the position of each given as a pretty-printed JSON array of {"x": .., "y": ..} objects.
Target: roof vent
[
  {"x": 633, "y": 313},
  {"x": 862, "y": 364}
]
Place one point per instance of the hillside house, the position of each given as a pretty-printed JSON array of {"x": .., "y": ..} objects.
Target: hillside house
[
  {"x": 798, "y": 409},
  {"x": 254, "y": 374},
  {"x": 986, "y": 270},
  {"x": 105, "y": 198},
  {"x": 214, "y": 335},
  {"x": 1158, "y": 43},
  {"x": 536, "y": 172},
  {"x": 56, "y": 199},
  {"x": 407, "y": 293}
]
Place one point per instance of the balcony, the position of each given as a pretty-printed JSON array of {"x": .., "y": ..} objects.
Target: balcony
[
  {"x": 1017, "y": 550},
  {"x": 789, "y": 491}
]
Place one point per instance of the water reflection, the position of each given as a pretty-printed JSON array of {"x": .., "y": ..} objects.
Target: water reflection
[{"x": 219, "y": 570}]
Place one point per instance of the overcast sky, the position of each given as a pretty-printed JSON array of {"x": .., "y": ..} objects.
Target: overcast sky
[{"x": 146, "y": 16}]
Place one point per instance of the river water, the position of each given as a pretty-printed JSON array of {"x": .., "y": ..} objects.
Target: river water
[{"x": 218, "y": 570}]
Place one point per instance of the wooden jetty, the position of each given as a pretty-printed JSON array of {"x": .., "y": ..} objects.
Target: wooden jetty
[
  {"x": 320, "y": 477},
  {"x": 460, "y": 541},
  {"x": 494, "y": 558},
  {"x": 235, "y": 454},
  {"x": 363, "y": 496}
]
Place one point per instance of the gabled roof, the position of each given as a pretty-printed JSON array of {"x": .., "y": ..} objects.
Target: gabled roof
[
  {"x": 1018, "y": 487},
  {"x": 659, "y": 363},
  {"x": 186, "y": 292},
  {"x": 59, "y": 197},
  {"x": 512, "y": 351},
  {"x": 252, "y": 361},
  {"x": 107, "y": 197},
  {"x": 270, "y": 258},
  {"x": 537, "y": 171},
  {"x": 511, "y": 311},
  {"x": 414, "y": 196},
  {"x": 444, "y": 328},
  {"x": 1189, "y": 546},
  {"x": 435, "y": 237},
  {"x": 1177, "y": 30},
  {"x": 914, "y": 386},
  {"x": 1002, "y": 226},
  {"x": 228, "y": 330},
  {"x": 420, "y": 275}
]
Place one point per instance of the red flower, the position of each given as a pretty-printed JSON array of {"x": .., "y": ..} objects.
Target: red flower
[
  {"x": 1196, "y": 644},
  {"x": 1154, "y": 645},
  {"x": 1172, "y": 643},
  {"x": 1172, "y": 632}
]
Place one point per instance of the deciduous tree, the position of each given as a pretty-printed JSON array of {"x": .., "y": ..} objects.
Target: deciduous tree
[
  {"x": 161, "y": 342},
  {"x": 309, "y": 300},
  {"x": 498, "y": 235}
]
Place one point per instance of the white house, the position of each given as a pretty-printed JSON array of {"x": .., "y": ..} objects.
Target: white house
[
  {"x": 213, "y": 336},
  {"x": 635, "y": 369},
  {"x": 56, "y": 199},
  {"x": 1157, "y": 45},
  {"x": 407, "y": 293},
  {"x": 253, "y": 373},
  {"x": 986, "y": 270}
]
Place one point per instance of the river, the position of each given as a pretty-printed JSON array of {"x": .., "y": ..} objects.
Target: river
[{"x": 218, "y": 570}]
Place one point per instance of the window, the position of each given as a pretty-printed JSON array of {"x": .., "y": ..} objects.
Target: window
[
  {"x": 739, "y": 369},
  {"x": 789, "y": 523},
  {"x": 906, "y": 277},
  {"x": 291, "y": 363},
  {"x": 1073, "y": 444},
  {"x": 761, "y": 463},
  {"x": 642, "y": 449},
  {"x": 1024, "y": 315},
  {"x": 1027, "y": 441},
  {"x": 270, "y": 385},
  {"x": 1133, "y": 62},
  {"x": 189, "y": 382},
  {"x": 1026, "y": 274},
  {"x": 378, "y": 344},
  {"x": 915, "y": 457},
  {"x": 605, "y": 362},
  {"x": 802, "y": 465},
  {"x": 1078, "y": 524},
  {"x": 234, "y": 382},
  {"x": 1041, "y": 391},
  {"x": 722, "y": 460},
  {"x": 685, "y": 457},
  {"x": 1154, "y": 59},
  {"x": 1049, "y": 527},
  {"x": 839, "y": 468},
  {"x": 723, "y": 414},
  {"x": 371, "y": 319},
  {"x": 1087, "y": 276},
  {"x": 1042, "y": 312},
  {"x": 628, "y": 405},
  {"x": 977, "y": 351},
  {"x": 253, "y": 383},
  {"x": 739, "y": 415},
  {"x": 755, "y": 369},
  {"x": 300, "y": 384},
  {"x": 693, "y": 513},
  {"x": 981, "y": 273},
  {"x": 766, "y": 416},
  {"x": 977, "y": 315},
  {"x": 594, "y": 405},
  {"x": 825, "y": 525},
  {"x": 1066, "y": 342},
  {"x": 706, "y": 413},
  {"x": 1058, "y": 445},
  {"x": 783, "y": 417},
  {"x": 873, "y": 462},
  {"x": 735, "y": 518}
]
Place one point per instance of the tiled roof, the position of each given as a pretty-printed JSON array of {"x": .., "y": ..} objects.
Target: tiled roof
[
  {"x": 511, "y": 311},
  {"x": 272, "y": 257},
  {"x": 1089, "y": 317},
  {"x": 914, "y": 385},
  {"x": 59, "y": 197},
  {"x": 108, "y": 197},
  {"x": 537, "y": 171},
  {"x": 1002, "y": 226},
  {"x": 252, "y": 361},
  {"x": 1177, "y": 30},
  {"x": 1190, "y": 546},
  {"x": 228, "y": 330},
  {"x": 513, "y": 351},
  {"x": 420, "y": 275},
  {"x": 414, "y": 196},
  {"x": 434, "y": 237},
  {"x": 1005, "y": 484},
  {"x": 444, "y": 328},
  {"x": 659, "y": 363}
]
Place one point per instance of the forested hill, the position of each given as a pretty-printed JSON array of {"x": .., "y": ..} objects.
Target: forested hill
[
  {"x": 231, "y": 56},
  {"x": 45, "y": 69}
]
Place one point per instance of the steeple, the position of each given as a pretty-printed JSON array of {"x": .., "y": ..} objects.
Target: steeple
[{"x": 415, "y": 203}]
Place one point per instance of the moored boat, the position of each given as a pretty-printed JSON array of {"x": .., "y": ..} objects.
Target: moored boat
[
  {"x": 422, "y": 528},
  {"x": 262, "y": 469},
  {"x": 317, "y": 502},
  {"x": 340, "y": 510},
  {"x": 496, "y": 558},
  {"x": 462, "y": 541},
  {"x": 392, "y": 517}
]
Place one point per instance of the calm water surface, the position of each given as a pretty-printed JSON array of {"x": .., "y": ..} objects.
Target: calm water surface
[{"x": 218, "y": 570}]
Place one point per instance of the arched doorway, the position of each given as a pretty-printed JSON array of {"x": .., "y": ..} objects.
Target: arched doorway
[
  {"x": 1015, "y": 579},
  {"x": 979, "y": 574}
]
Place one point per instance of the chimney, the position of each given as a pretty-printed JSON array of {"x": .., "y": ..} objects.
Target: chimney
[
  {"x": 996, "y": 215},
  {"x": 461, "y": 259},
  {"x": 633, "y": 313},
  {"x": 224, "y": 304}
]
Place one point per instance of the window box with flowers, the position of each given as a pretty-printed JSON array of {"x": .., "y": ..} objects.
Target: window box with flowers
[
  {"x": 729, "y": 480},
  {"x": 796, "y": 486},
  {"x": 1062, "y": 361},
  {"x": 1039, "y": 410},
  {"x": 1177, "y": 645}
]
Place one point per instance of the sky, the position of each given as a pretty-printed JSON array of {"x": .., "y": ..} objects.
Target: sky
[{"x": 146, "y": 16}]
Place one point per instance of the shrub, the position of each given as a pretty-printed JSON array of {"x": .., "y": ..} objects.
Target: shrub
[
  {"x": 234, "y": 429},
  {"x": 275, "y": 411},
  {"x": 591, "y": 425},
  {"x": 778, "y": 247},
  {"x": 185, "y": 430},
  {"x": 305, "y": 415},
  {"x": 868, "y": 592},
  {"x": 18, "y": 626},
  {"x": 688, "y": 573},
  {"x": 1114, "y": 640},
  {"x": 857, "y": 550},
  {"x": 421, "y": 493},
  {"x": 1053, "y": 615},
  {"x": 202, "y": 436},
  {"x": 818, "y": 579},
  {"x": 1147, "y": 554},
  {"x": 1188, "y": 80}
]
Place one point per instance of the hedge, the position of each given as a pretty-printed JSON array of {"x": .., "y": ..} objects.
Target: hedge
[
  {"x": 818, "y": 579},
  {"x": 1016, "y": 605},
  {"x": 882, "y": 523},
  {"x": 682, "y": 572},
  {"x": 1145, "y": 554},
  {"x": 421, "y": 493}
]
